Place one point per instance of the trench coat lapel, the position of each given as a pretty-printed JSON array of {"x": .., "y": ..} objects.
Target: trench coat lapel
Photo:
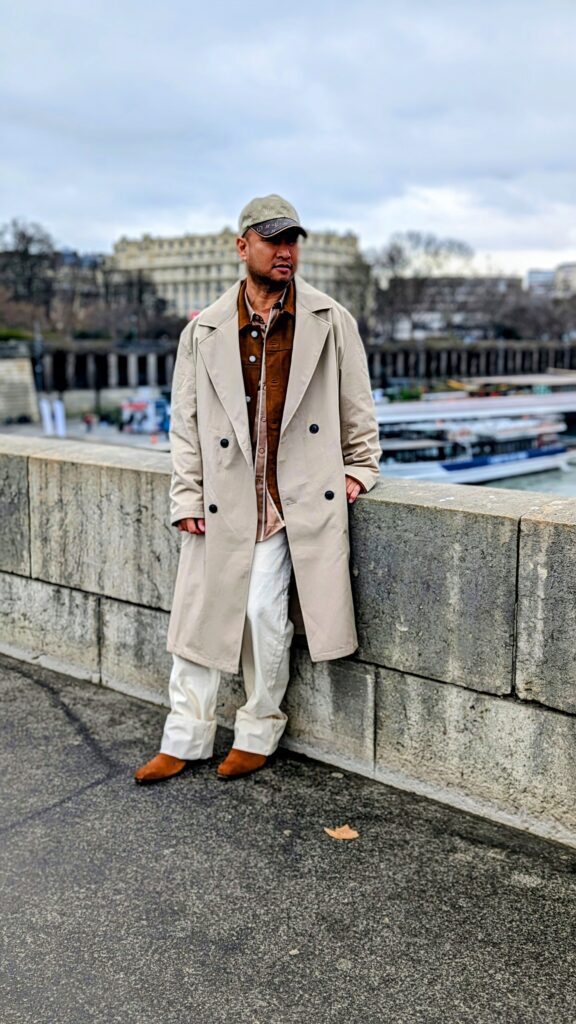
[
  {"x": 310, "y": 333},
  {"x": 220, "y": 351}
]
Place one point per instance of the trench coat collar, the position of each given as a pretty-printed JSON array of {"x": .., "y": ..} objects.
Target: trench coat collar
[{"x": 220, "y": 351}]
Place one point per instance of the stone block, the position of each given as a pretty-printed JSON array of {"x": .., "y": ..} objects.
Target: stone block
[
  {"x": 434, "y": 571},
  {"x": 14, "y": 518},
  {"x": 498, "y": 757},
  {"x": 134, "y": 658},
  {"x": 18, "y": 396},
  {"x": 54, "y": 626},
  {"x": 231, "y": 696},
  {"x": 100, "y": 522},
  {"x": 330, "y": 708},
  {"x": 546, "y": 653}
]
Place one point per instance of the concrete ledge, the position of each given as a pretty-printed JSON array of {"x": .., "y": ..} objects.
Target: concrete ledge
[
  {"x": 134, "y": 658},
  {"x": 461, "y": 545},
  {"x": 330, "y": 708},
  {"x": 89, "y": 523},
  {"x": 55, "y": 626},
  {"x": 513, "y": 762},
  {"x": 546, "y": 659},
  {"x": 15, "y": 528}
]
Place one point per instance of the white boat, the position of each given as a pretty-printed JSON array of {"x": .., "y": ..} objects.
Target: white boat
[{"x": 472, "y": 450}]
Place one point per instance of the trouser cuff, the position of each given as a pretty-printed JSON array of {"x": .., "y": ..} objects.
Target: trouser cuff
[
  {"x": 191, "y": 744},
  {"x": 261, "y": 738}
]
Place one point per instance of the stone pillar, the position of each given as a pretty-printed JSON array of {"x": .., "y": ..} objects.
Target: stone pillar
[
  {"x": 422, "y": 364},
  {"x": 132, "y": 370},
  {"x": 90, "y": 370},
  {"x": 48, "y": 371},
  {"x": 377, "y": 369},
  {"x": 152, "y": 369},
  {"x": 70, "y": 374},
  {"x": 169, "y": 369},
  {"x": 112, "y": 369}
]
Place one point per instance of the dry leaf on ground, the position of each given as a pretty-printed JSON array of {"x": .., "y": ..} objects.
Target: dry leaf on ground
[{"x": 344, "y": 832}]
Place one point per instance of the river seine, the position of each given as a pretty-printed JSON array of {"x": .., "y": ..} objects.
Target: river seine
[{"x": 555, "y": 481}]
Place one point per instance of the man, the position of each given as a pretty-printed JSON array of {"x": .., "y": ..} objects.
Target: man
[{"x": 272, "y": 434}]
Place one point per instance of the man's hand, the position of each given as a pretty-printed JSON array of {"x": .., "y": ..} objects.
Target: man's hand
[
  {"x": 191, "y": 525},
  {"x": 353, "y": 489}
]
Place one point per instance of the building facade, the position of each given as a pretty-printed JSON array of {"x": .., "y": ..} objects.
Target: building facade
[
  {"x": 541, "y": 282},
  {"x": 466, "y": 307},
  {"x": 565, "y": 279},
  {"x": 559, "y": 283},
  {"x": 191, "y": 271}
]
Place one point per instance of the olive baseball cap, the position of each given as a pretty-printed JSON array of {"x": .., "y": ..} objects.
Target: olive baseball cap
[{"x": 269, "y": 215}]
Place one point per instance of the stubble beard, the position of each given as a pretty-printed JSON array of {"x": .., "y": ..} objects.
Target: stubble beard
[{"x": 269, "y": 283}]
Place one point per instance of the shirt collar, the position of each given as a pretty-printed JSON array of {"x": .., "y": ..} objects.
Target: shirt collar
[{"x": 286, "y": 302}]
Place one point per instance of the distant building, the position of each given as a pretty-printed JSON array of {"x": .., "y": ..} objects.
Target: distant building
[
  {"x": 565, "y": 279},
  {"x": 191, "y": 271},
  {"x": 541, "y": 282},
  {"x": 468, "y": 307}
]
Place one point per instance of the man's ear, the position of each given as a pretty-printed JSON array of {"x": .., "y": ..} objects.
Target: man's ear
[{"x": 241, "y": 246}]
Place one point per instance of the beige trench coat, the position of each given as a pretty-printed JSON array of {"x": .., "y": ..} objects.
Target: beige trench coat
[{"x": 329, "y": 386}]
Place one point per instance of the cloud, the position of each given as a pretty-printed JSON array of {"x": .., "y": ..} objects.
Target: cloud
[
  {"x": 511, "y": 215},
  {"x": 457, "y": 118}
]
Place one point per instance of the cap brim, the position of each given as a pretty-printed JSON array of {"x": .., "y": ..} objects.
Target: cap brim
[{"x": 269, "y": 228}]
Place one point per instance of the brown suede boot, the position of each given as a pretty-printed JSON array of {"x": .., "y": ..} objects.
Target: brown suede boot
[
  {"x": 240, "y": 762},
  {"x": 161, "y": 767}
]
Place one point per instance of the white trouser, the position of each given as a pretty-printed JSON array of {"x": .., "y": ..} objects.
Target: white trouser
[{"x": 190, "y": 726}]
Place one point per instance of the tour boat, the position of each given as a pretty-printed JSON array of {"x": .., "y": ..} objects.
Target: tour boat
[{"x": 473, "y": 450}]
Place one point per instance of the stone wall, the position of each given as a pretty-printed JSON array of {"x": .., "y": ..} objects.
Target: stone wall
[
  {"x": 463, "y": 687},
  {"x": 17, "y": 390}
]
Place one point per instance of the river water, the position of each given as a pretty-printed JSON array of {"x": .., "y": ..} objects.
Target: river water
[{"x": 554, "y": 481}]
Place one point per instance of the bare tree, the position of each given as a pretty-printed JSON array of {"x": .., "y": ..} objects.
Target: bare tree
[
  {"x": 27, "y": 264},
  {"x": 355, "y": 287},
  {"x": 408, "y": 271},
  {"x": 75, "y": 294}
]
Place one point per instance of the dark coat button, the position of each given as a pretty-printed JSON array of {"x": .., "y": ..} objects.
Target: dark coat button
[
  {"x": 224, "y": 442},
  {"x": 314, "y": 428},
  {"x": 329, "y": 495},
  {"x": 212, "y": 508}
]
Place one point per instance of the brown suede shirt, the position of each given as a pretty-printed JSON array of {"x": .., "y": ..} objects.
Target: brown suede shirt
[{"x": 266, "y": 354}]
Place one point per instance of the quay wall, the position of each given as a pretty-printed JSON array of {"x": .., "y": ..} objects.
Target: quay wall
[{"x": 463, "y": 688}]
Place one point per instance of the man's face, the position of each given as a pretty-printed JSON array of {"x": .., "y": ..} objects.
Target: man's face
[{"x": 270, "y": 261}]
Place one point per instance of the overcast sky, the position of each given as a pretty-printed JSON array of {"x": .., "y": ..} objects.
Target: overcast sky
[{"x": 453, "y": 117}]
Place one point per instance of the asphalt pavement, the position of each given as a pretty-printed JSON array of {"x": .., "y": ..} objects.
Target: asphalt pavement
[{"x": 199, "y": 901}]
